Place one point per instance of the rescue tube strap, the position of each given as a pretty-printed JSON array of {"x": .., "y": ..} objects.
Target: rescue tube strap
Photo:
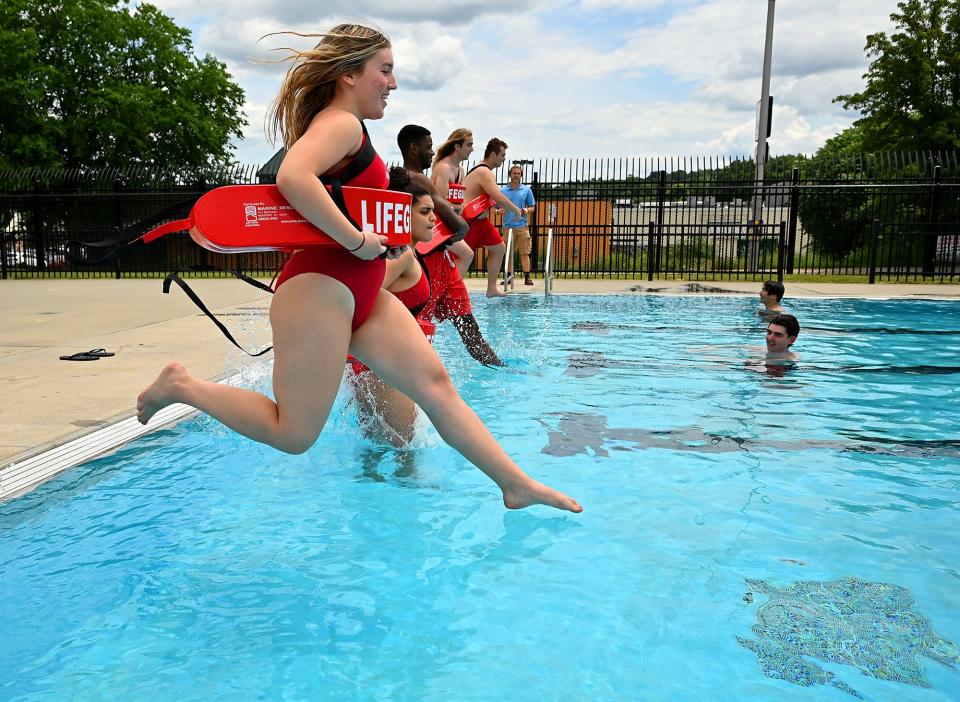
[
  {"x": 126, "y": 237},
  {"x": 335, "y": 188},
  {"x": 175, "y": 278}
]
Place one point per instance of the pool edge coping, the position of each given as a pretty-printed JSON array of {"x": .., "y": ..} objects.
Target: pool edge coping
[{"x": 27, "y": 471}]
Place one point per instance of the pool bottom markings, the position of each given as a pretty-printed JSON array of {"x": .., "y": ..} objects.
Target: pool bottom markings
[{"x": 871, "y": 626}]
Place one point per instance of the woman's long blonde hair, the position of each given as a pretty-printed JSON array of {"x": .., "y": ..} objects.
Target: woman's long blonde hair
[
  {"x": 456, "y": 138},
  {"x": 310, "y": 83}
]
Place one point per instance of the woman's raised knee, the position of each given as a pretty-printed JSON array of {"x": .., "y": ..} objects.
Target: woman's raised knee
[{"x": 295, "y": 443}]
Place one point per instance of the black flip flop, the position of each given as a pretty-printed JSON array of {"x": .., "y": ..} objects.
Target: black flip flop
[
  {"x": 81, "y": 356},
  {"x": 101, "y": 353}
]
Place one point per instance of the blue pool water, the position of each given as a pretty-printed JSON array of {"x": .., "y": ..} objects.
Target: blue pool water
[{"x": 746, "y": 536}]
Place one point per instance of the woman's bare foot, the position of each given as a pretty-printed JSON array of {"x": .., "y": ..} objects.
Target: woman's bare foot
[
  {"x": 496, "y": 293},
  {"x": 162, "y": 392},
  {"x": 534, "y": 493}
]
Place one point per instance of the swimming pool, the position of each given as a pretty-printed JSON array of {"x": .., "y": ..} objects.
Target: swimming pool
[{"x": 745, "y": 535}]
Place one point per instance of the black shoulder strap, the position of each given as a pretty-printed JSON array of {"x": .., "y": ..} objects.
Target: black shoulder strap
[
  {"x": 335, "y": 186},
  {"x": 175, "y": 278},
  {"x": 479, "y": 165},
  {"x": 360, "y": 161}
]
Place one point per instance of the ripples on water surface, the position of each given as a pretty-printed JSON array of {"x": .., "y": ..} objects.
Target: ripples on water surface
[{"x": 747, "y": 535}]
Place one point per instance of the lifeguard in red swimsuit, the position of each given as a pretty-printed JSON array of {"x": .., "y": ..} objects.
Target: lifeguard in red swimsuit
[
  {"x": 430, "y": 286},
  {"x": 322, "y": 311}
]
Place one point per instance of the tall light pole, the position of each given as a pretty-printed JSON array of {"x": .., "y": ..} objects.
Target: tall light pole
[{"x": 763, "y": 114}]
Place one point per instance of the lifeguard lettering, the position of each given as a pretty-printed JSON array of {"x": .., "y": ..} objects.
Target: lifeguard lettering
[
  {"x": 388, "y": 217},
  {"x": 455, "y": 193}
]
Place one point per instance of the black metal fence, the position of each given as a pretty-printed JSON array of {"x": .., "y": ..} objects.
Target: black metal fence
[{"x": 887, "y": 217}]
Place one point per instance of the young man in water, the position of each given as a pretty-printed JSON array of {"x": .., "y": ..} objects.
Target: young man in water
[
  {"x": 782, "y": 333},
  {"x": 770, "y": 295}
]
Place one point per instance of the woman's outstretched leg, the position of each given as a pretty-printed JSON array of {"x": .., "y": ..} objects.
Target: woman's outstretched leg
[
  {"x": 310, "y": 315},
  {"x": 391, "y": 343}
]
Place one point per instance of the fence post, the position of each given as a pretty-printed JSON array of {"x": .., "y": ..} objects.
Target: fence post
[
  {"x": 651, "y": 227},
  {"x": 661, "y": 203},
  {"x": 794, "y": 207},
  {"x": 780, "y": 254},
  {"x": 117, "y": 222},
  {"x": 874, "y": 236},
  {"x": 3, "y": 254},
  {"x": 36, "y": 229},
  {"x": 930, "y": 239}
]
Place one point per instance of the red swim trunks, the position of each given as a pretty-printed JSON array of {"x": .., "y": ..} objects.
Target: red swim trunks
[
  {"x": 449, "y": 297},
  {"x": 482, "y": 233}
]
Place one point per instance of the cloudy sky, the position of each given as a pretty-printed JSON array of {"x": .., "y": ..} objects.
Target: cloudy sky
[{"x": 587, "y": 78}]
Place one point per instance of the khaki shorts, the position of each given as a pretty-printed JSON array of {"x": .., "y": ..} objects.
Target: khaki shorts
[{"x": 521, "y": 239}]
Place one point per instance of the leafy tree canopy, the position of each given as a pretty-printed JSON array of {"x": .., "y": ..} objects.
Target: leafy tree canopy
[
  {"x": 91, "y": 83},
  {"x": 913, "y": 83}
]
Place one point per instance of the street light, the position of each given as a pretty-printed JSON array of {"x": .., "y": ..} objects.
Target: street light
[
  {"x": 763, "y": 116},
  {"x": 763, "y": 123}
]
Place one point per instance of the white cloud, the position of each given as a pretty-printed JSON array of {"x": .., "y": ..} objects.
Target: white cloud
[{"x": 572, "y": 77}]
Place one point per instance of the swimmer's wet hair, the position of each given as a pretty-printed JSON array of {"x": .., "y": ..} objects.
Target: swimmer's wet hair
[
  {"x": 310, "y": 83},
  {"x": 774, "y": 288},
  {"x": 788, "y": 322},
  {"x": 401, "y": 182}
]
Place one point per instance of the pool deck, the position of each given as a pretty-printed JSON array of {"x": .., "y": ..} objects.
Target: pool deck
[{"x": 48, "y": 402}]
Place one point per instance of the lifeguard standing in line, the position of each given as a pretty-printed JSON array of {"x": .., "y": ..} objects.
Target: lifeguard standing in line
[
  {"x": 328, "y": 300},
  {"x": 446, "y": 173},
  {"x": 480, "y": 181}
]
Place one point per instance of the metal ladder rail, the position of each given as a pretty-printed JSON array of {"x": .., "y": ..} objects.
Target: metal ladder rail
[
  {"x": 548, "y": 264},
  {"x": 508, "y": 260}
]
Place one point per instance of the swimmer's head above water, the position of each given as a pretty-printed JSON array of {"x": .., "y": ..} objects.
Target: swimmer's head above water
[
  {"x": 770, "y": 296},
  {"x": 782, "y": 333}
]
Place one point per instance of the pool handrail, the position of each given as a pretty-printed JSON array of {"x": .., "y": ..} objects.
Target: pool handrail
[{"x": 508, "y": 260}]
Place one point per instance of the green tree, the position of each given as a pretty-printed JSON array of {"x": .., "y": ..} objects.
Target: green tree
[
  {"x": 93, "y": 83},
  {"x": 913, "y": 82}
]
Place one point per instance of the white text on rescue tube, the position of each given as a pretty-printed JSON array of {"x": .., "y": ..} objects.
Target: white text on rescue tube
[{"x": 389, "y": 217}]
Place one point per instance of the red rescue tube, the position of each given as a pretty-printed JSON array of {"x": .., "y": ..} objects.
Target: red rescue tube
[
  {"x": 429, "y": 329},
  {"x": 442, "y": 233},
  {"x": 238, "y": 218},
  {"x": 455, "y": 193}
]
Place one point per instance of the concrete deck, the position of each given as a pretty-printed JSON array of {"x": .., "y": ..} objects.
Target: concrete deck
[{"x": 46, "y": 402}]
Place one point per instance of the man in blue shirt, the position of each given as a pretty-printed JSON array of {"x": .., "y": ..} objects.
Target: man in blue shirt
[{"x": 521, "y": 196}]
